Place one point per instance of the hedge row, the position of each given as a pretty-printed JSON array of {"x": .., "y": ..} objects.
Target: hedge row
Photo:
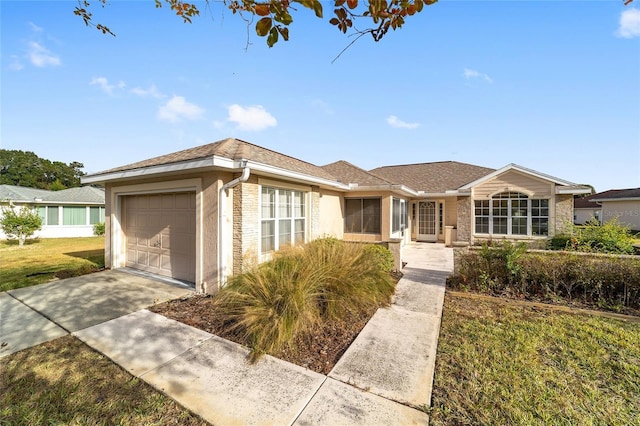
[{"x": 608, "y": 282}]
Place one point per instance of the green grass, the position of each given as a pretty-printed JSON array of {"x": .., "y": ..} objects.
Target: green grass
[
  {"x": 65, "y": 382},
  {"x": 40, "y": 261},
  {"x": 498, "y": 363}
]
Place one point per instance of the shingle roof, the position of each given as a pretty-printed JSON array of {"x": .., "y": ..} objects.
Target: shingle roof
[
  {"x": 233, "y": 149},
  {"x": 585, "y": 202},
  {"x": 21, "y": 193},
  {"x": 347, "y": 173},
  {"x": 435, "y": 177},
  {"x": 83, "y": 195},
  {"x": 614, "y": 194}
]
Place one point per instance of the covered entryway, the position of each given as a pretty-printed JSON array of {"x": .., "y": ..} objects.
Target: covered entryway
[{"x": 160, "y": 233}]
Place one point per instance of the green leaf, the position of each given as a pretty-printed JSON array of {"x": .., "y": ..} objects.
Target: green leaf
[
  {"x": 263, "y": 26},
  {"x": 273, "y": 37},
  {"x": 284, "y": 32},
  {"x": 284, "y": 17}
]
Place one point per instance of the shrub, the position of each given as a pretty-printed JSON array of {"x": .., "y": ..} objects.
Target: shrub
[
  {"x": 98, "y": 229},
  {"x": 610, "y": 237},
  {"x": 20, "y": 224},
  {"x": 608, "y": 282},
  {"x": 380, "y": 256},
  {"x": 281, "y": 299}
]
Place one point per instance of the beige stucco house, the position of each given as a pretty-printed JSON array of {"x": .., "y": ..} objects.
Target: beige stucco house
[
  {"x": 207, "y": 212},
  {"x": 623, "y": 204},
  {"x": 586, "y": 210}
]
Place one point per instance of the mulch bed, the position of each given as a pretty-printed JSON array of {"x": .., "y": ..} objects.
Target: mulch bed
[{"x": 319, "y": 351}]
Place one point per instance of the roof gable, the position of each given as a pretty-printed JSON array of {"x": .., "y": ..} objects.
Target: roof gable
[
  {"x": 347, "y": 173},
  {"x": 520, "y": 169},
  {"x": 437, "y": 177}
]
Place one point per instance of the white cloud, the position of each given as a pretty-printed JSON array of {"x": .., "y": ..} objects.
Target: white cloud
[
  {"x": 399, "y": 124},
  {"x": 178, "y": 108},
  {"x": 473, "y": 74},
  {"x": 35, "y": 28},
  {"x": 16, "y": 63},
  {"x": 151, "y": 92},
  {"x": 322, "y": 105},
  {"x": 107, "y": 88},
  {"x": 251, "y": 118},
  {"x": 629, "y": 23},
  {"x": 41, "y": 57}
]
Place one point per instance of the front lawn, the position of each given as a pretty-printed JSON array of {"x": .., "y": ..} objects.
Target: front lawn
[
  {"x": 65, "y": 382},
  {"x": 39, "y": 261},
  {"x": 500, "y": 363}
]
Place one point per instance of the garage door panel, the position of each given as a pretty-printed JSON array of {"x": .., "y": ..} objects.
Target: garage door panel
[{"x": 160, "y": 230}]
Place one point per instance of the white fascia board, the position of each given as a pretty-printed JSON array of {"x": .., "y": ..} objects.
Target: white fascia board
[
  {"x": 518, "y": 168},
  {"x": 150, "y": 171},
  {"x": 599, "y": 200},
  {"x": 397, "y": 188},
  {"x": 444, "y": 194},
  {"x": 565, "y": 191},
  {"x": 288, "y": 174}
]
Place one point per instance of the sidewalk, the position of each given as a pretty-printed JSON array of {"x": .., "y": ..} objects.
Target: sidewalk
[{"x": 385, "y": 377}]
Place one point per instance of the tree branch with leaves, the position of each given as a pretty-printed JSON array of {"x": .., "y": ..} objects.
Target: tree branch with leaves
[{"x": 274, "y": 17}]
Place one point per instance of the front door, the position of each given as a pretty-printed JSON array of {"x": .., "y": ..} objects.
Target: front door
[{"x": 427, "y": 230}]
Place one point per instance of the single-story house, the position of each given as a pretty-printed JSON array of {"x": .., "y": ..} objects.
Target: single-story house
[
  {"x": 70, "y": 212},
  {"x": 623, "y": 204},
  {"x": 204, "y": 213},
  {"x": 585, "y": 210}
]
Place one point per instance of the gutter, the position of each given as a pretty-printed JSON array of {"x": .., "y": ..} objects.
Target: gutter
[{"x": 222, "y": 216}]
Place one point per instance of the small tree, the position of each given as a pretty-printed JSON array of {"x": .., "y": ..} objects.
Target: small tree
[{"x": 20, "y": 224}]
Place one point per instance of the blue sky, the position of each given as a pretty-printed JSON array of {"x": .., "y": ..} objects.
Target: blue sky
[{"x": 553, "y": 86}]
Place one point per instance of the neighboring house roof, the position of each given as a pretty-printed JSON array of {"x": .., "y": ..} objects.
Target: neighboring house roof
[
  {"x": 585, "y": 203},
  {"x": 233, "y": 149},
  {"x": 437, "y": 177},
  {"x": 617, "y": 195},
  {"x": 21, "y": 193},
  {"x": 347, "y": 173},
  {"x": 82, "y": 195}
]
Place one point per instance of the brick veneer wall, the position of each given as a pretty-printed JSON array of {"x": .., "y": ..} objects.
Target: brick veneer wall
[
  {"x": 564, "y": 214},
  {"x": 246, "y": 223},
  {"x": 464, "y": 219}
]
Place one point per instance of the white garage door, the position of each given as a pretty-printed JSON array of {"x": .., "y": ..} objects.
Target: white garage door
[{"x": 160, "y": 231}]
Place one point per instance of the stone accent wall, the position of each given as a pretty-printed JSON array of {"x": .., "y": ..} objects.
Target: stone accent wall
[
  {"x": 314, "y": 217},
  {"x": 246, "y": 224},
  {"x": 464, "y": 219},
  {"x": 563, "y": 215}
]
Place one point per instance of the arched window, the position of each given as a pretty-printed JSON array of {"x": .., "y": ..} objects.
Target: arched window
[{"x": 512, "y": 213}]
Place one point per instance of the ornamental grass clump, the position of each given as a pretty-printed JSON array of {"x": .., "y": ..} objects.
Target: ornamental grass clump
[{"x": 269, "y": 306}]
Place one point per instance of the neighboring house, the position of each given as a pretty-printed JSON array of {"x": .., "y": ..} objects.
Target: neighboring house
[
  {"x": 585, "y": 210},
  {"x": 68, "y": 213},
  {"x": 623, "y": 204},
  {"x": 204, "y": 213}
]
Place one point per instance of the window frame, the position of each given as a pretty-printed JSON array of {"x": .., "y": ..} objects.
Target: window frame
[
  {"x": 505, "y": 212},
  {"x": 377, "y": 210},
  {"x": 399, "y": 215},
  {"x": 287, "y": 211}
]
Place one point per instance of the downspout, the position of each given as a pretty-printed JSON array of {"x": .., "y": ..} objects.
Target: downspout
[{"x": 222, "y": 216}]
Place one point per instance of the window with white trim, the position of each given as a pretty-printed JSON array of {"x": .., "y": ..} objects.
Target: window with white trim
[
  {"x": 512, "y": 213},
  {"x": 282, "y": 218},
  {"x": 399, "y": 215}
]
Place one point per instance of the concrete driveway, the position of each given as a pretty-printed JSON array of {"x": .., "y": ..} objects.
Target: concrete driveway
[{"x": 33, "y": 315}]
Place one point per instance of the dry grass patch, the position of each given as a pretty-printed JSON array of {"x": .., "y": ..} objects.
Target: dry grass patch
[
  {"x": 65, "y": 382},
  {"x": 504, "y": 364},
  {"x": 43, "y": 260}
]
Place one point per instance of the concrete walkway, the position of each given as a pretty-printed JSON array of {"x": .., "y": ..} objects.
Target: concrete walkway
[{"x": 385, "y": 377}]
